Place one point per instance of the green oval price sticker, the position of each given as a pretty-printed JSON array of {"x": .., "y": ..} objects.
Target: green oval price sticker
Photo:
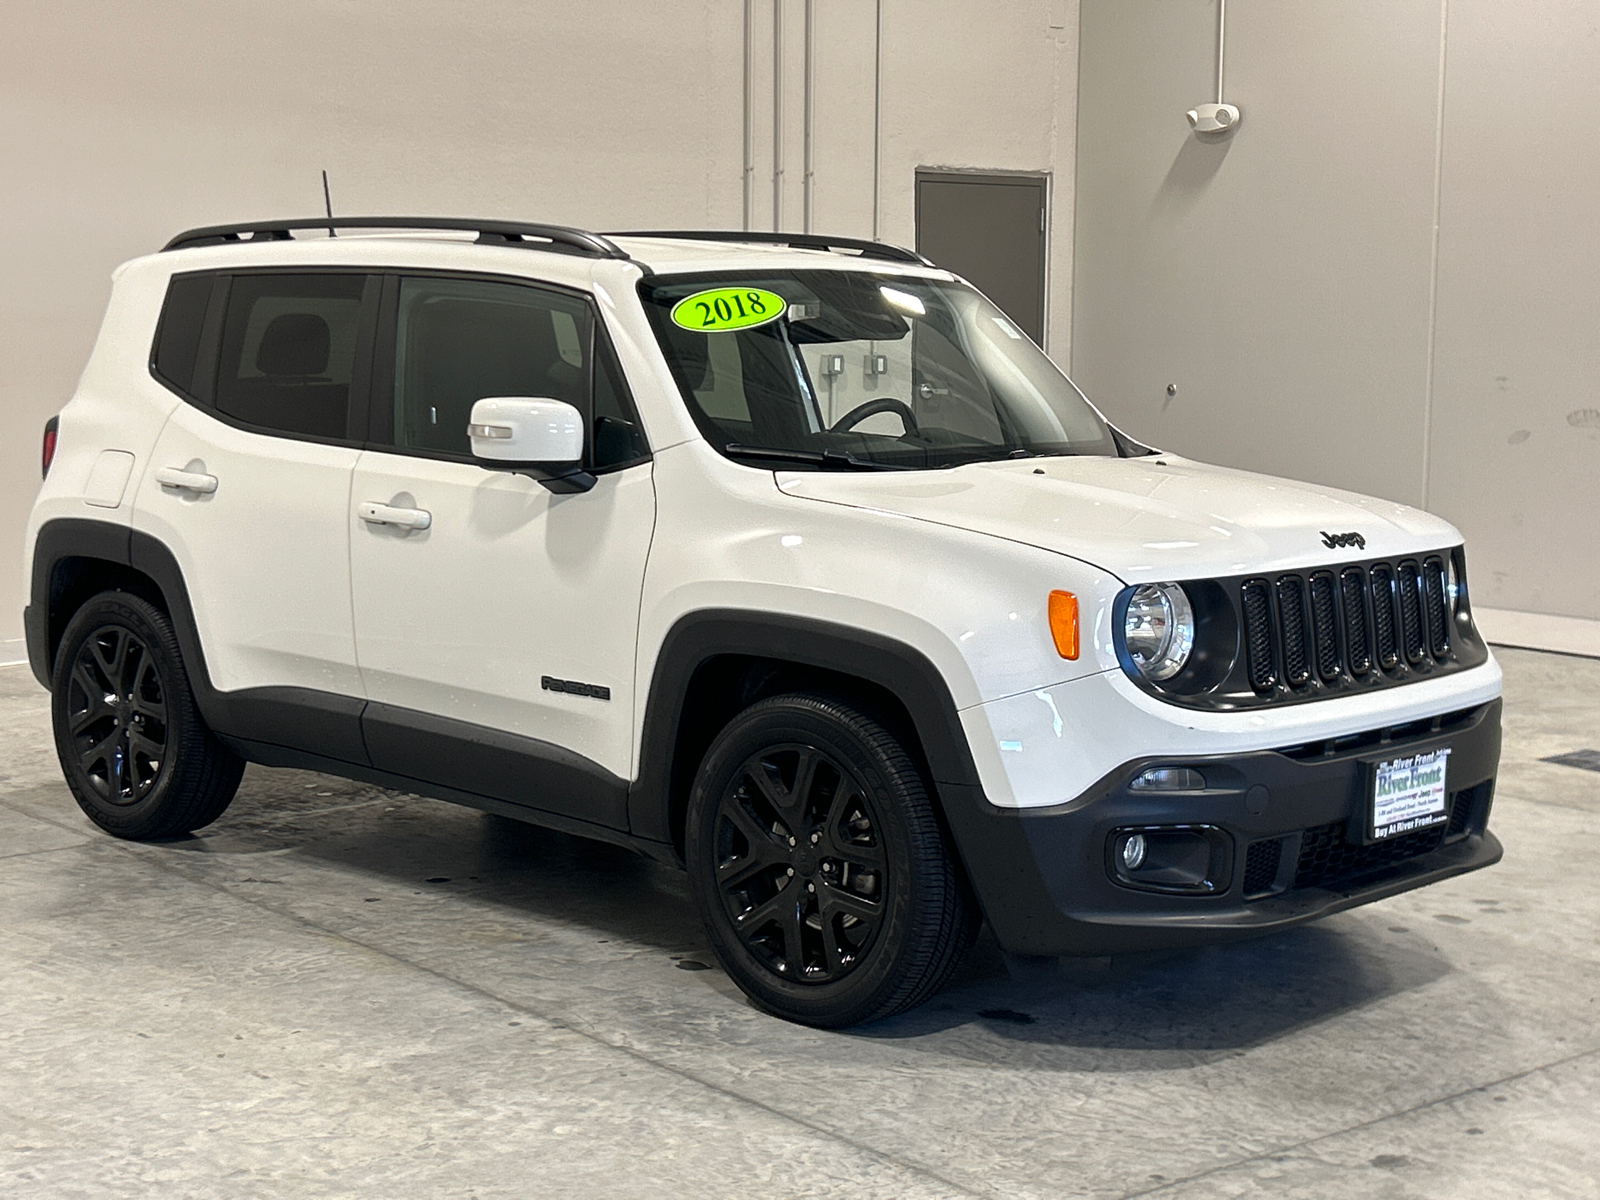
[{"x": 725, "y": 308}]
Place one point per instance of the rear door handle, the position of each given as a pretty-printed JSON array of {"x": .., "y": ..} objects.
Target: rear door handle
[
  {"x": 402, "y": 518},
  {"x": 186, "y": 481}
]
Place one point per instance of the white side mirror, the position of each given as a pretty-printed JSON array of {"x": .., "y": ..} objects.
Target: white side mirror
[{"x": 540, "y": 438}]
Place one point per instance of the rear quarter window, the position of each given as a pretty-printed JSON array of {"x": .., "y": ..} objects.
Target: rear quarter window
[{"x": 177, "y": 345}]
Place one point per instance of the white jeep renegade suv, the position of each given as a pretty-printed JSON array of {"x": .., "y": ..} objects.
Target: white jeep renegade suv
[{"x": 788, "y": 559}]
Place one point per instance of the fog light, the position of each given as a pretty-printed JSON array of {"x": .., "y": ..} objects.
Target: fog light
[
  {"x": 1192, "y": 860},
  {"x": 1133, "y": 852},
  {"x": 1170, "y": 779}
]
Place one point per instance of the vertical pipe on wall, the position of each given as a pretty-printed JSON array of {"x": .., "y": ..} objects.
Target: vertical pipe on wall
[
  {"x": 777, "y": 115},
  {"x": 809, "y": 181},
  {"x": 1433, "y": 265},
  {"x": 1222, "y": 24},
  {"x": 877, "y": 112},
  {"x": 749, "y": 116}
]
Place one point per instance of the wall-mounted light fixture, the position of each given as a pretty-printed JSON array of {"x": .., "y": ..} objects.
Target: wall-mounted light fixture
[{"x": 1219, "y": 117}]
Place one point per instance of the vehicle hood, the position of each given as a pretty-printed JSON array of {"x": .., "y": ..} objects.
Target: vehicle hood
[{"x": 1142, "y": 519}]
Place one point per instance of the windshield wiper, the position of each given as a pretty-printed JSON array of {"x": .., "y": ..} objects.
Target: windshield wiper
[
  {"x": 1018, "y": 455},
  {"x": 827, "y": 460}
]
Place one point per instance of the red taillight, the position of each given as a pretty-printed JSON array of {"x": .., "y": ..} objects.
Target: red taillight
[{"x": 48, "y": 454}]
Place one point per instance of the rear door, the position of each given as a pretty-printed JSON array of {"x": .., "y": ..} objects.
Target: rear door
[
  {"x": 497, "y": 644},
  {"x": 249, "y": 485}
]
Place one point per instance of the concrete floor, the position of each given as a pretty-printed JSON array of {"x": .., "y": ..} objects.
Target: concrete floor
[{"x": 340, "y": 991}]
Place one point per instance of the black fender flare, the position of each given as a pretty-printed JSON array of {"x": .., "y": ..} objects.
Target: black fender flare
[
  {"x": 57, "y": 540},
  {"x": 701, "y": 636}
]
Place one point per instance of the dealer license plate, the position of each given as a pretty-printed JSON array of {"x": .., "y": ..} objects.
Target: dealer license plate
[{"x": 1409, "y": 794}]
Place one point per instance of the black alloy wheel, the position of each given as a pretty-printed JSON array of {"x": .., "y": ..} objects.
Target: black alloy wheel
[
  {"x": 117, "y": 715},
  {"x": 800, "y": 867},
  {"x": 818, "y": 865},
  {"x": 135, "y": 751}
]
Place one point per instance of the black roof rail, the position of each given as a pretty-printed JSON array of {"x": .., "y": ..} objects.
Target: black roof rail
[
  {"x": 800, "y": 241},
  {"x": 559, "y": 238}
]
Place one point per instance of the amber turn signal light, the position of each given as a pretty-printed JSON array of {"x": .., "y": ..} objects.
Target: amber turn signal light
[{"x": 1064, "y": 623}]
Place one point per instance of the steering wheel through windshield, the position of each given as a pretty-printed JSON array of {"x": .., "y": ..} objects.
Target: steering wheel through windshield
[{"x": 883, "y": 404}]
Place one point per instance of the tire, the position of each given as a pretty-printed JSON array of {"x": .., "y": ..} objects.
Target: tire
[
  {"x": 138, "y": 757},
  {"x": 819, "y": 867}
]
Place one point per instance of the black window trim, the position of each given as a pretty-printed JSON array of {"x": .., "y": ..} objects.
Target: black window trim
[
  {"x": 203, "y": 388},
  {"x": 380, "y": 426}
]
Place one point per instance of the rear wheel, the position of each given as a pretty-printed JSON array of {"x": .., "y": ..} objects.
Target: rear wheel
[
  {"x": 819, "y": 868},
  {"x": 138, "y": 757}
]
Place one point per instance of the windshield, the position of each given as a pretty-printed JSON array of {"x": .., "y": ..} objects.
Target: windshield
[{"x": 849, "y": 368}]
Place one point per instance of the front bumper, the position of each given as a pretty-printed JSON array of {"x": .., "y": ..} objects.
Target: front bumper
[{"x": 1288, "y": 823}]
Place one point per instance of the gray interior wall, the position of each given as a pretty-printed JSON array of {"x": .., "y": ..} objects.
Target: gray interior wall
[
  {"x": 1288, "y": 281},
  {"x": 1514, "y": 451},
  {"x": 121, "y": 124}
]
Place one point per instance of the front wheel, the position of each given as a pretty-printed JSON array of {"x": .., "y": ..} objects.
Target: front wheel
[{"x": 819, "y": 867}]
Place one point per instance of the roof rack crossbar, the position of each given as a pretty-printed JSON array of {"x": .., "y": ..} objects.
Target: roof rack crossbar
[
  {"x": 799, "y": 241},
  {"x": 559, "y": 238}
]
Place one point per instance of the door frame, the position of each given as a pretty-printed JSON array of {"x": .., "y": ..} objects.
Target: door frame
[{"x": 994, "y": 175}]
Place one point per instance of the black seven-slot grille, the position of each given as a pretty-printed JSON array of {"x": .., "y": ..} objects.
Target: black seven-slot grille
[{"x": 1385, "y": 618}]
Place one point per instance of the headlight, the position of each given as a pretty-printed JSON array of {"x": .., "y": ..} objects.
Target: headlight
[{"x": 1159, "y": 630}]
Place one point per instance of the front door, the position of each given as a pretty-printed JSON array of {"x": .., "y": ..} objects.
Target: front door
[{"x": 496, "y": 643}]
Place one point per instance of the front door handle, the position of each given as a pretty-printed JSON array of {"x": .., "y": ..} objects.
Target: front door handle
[
  {"x": 402, "y": 518},
  {"x": 186, "y": 481}
]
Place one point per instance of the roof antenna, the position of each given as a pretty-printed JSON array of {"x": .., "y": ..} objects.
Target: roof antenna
[{"x": 327, "y": 202}]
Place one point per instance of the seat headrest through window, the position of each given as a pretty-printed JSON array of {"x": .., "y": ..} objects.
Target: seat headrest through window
[{"x": 294, "y": 344}]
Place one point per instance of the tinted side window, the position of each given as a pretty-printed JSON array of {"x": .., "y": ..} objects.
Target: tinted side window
[
  {"x": 288, "y": 352},
  {"x": 459, "y": 340},
  {"x": 178, "y": 336}
]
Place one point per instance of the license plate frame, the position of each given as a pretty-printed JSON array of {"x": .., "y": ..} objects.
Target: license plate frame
[{"x": 1407, "y": 794}]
